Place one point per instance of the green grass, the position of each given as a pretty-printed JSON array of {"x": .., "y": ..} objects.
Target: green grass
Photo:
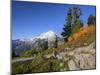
[{"x": 38, "y": 65}]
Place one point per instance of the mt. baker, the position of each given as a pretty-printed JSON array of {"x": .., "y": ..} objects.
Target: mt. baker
[
  {"x": 43, "y": 41},
  {"x": 50, "y": 35}
]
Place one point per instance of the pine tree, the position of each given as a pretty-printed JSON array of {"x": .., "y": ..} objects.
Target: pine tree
[
  {"x": 91, "y": 20},
  {"x": 77, "y": 23},
  {"x": 67, "y": 27},
  {"x": 73, "y": 22}
]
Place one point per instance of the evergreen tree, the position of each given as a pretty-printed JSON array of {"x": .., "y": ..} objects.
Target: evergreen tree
[
  {"x": 73, "y": 22},
  {"x": 56, "y": 43},
  {"x": 67, "y": 27},
  {"x": 13, "y": 53},
  {"x": 91, "y": 20},
  {"x": 77, "y": 25}
]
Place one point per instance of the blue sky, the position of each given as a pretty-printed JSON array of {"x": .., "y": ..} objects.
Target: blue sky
[{"x": 30, "y": 19}]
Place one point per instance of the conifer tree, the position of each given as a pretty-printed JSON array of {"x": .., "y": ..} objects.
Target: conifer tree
[
  {"x": 91, "y": 20},
  {"x": 73, "y": 22}
]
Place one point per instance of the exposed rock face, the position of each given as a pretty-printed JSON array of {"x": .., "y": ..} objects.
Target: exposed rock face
[
  {"x": 72, "y": 65},
  {"x": 82, "y": 58},
  {"x": 79, "y": 58}
]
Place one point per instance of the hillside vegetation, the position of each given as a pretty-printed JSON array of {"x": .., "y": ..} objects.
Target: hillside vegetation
[
  {"x": 58, "y": 59},
  {"x": 75, "y": 50},
  {"x": 84, "y": 36}
]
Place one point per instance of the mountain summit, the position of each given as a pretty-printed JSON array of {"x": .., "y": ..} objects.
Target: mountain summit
[
  {"x": 47, "y": 35},
  {"x": 41, "y": 42}
]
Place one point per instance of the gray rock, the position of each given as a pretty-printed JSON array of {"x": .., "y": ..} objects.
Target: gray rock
[
  {"x": 82, "y": 58},
  {"x": 72, "y": 65}
]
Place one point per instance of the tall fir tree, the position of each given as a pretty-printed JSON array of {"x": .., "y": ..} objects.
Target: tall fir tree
[
  {"x": 77, "y": 23},
  {"x": 67, "y": 27},
  {"x": 91, "y": 20},
  {"x": 73, "y": 22}
]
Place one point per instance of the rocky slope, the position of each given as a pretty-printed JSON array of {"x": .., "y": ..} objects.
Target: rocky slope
[
  {"x": 79, "y": 58},
  {"x": 82, "y": 58}
]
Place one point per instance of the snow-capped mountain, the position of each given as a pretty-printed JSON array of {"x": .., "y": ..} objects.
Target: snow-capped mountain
[
  {"x": 48, "y": 39},
  {"x": 50, "y": 35}
]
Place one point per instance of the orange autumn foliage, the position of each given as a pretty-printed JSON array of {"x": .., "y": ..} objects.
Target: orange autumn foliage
[{"x": 83, "y": 32}]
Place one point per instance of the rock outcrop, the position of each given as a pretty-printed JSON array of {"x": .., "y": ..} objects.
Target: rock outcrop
[{"x": 81, "y": 58}]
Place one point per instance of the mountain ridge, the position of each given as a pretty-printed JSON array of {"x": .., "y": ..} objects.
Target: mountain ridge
[{"x": 44, "y": 40}]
